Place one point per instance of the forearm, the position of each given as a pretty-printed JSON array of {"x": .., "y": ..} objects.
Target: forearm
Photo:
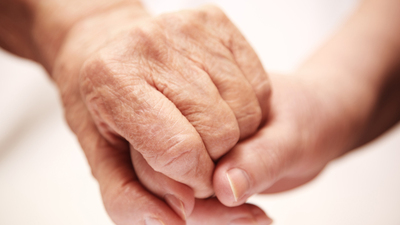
[
  {"x": 35, "y": 29},
  {"x": 359, "y": 66}
]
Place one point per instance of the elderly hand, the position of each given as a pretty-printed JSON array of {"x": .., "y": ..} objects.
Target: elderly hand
[{"x": 180, "y": 88}]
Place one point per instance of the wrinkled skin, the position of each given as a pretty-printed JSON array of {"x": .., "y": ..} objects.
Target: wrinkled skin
[
  {"x": 181, "y": 89},
  {"x": 155, "y": 101}
]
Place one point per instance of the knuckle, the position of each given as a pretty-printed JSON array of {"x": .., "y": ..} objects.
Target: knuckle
[
  {"x": 150, "y": 45},
  {"x": 247, "y": 109},
  {"x": 260, "y": 80},
  {"x": 180, "y": 156},
  {"x": 185, "y": 161},
  {"x": 218, "y": 127},
  {"x": 254, "y": 120},
  {"x": 231, "y": 134},
  {"x": 251, "y": 118},
  {"x": 184, "y": 24},
  {"x": 266, "y": 93},
  {"x": 229, "y": 139},
  {"x": 95, "y": 71},
  {"x": 265, "y": 89},
  {"x": 224, "y": 137},
  {"x": 108, "y": 77}
]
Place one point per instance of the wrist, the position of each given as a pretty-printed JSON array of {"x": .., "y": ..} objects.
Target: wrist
[
  {"x": 53, "y": 21},
  {"x": 355, "y": 66}
]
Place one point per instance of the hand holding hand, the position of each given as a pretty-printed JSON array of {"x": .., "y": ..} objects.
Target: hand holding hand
[
  {"x": 308, "y": 127},
  {"x": 180, "y": 88}
]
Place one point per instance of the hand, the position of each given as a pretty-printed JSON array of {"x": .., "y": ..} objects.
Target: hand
[
  {"x": 181, "y": 88},
  {"x": 343, "y": 96},
  {"x": 309, "y": 125}
]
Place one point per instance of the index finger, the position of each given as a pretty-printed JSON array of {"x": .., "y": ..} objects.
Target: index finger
[
  {"x": 132, "y": 108},
  {"x": 125, "y": 199}
]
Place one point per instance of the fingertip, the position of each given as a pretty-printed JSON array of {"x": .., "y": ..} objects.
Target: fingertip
[
  {"x": 232, "y": 186},
  {"x": 181, "y": 199},
  {"x": 204, "y": 193},
  {"x": 184, "y": 159},
  {"x": 251, "y": 167},
  {"x": 222, "y": 186},
  {"x": 239, "y": 182},
  {"x": 178, "y": 206}
]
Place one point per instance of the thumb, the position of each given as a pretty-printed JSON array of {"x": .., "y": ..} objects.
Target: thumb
[
  {"x": 302, "y": 136},
  {"x": 256, "y": 164}
]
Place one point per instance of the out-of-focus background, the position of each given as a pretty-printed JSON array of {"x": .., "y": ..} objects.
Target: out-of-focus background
[{"x": 45, "y": 180}]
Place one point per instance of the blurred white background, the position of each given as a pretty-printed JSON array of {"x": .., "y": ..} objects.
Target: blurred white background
[{"x": 45, "y": 180}]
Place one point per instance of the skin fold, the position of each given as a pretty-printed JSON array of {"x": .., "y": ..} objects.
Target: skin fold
[{"x": 173, "y": 109}]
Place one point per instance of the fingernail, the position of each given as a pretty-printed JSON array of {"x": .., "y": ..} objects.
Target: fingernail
[
  {"x": 239, "y": 182},
  {"x": 176, "y": 205},
  {"x": 153, "y": 221}
]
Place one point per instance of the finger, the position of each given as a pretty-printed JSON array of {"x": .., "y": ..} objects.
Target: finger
[
  {"x": 212, "y": 212},
  {"x": 244, "y": 55},
  {"x": 255, "y": 164},
  {"x": 187, "y": 85},
  {"x": 178, "y": 196},
  {"x": 237, "y": 93},
  {"x": 125, "y": 199},
  {"x": 253, "y": 70},
  {"x": 205, "y": 50},
  {"x": 196, "y": 96},
  {"x": 132, "y": 108},
  {"x": 285, "y": 150},
  {"x": 288, "y": 183}
]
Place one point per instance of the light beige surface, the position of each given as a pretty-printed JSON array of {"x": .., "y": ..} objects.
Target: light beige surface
[{"x": 45, "y": 180}]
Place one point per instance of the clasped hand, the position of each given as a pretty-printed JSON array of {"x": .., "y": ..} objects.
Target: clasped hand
[{"x": 155, "y": 101}]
